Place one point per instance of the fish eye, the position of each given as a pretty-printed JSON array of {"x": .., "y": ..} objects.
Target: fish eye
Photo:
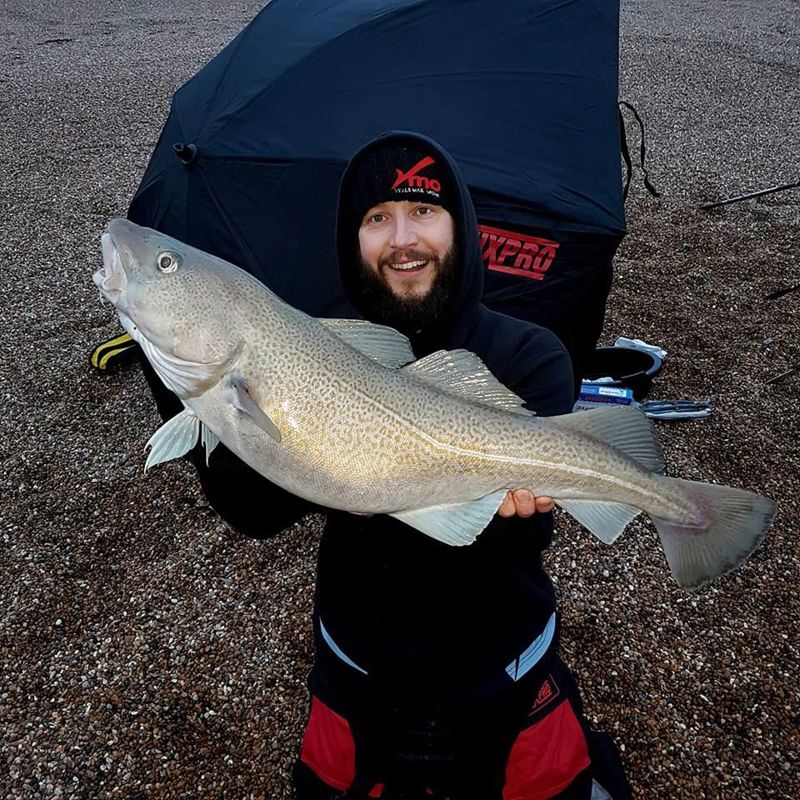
[{"x": 168, "y": 262}]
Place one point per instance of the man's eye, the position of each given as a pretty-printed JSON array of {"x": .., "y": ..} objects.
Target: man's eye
[
  {"x": 377, "y": 218},
  {"x": 423, "y": 211}
]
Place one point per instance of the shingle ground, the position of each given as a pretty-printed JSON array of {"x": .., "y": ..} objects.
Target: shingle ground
[{"x": 148, "y": 651}]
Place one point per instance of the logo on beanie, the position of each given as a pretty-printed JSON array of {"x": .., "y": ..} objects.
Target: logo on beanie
[{"x": 414, "y": 180}]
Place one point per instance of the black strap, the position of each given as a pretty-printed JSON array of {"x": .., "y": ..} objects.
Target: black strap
[{"x": 626, "y": 153}]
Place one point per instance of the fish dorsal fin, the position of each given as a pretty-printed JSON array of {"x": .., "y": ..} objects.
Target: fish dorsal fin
[
  {"x": 455, "y": 524},
  {"x": 462, "y": 373},
  {"x": 623, "y": 427},
  {"x": 175, "y": 438},
  {"x": 379, "y": 342},
  {"x": 605, "y": 520}
]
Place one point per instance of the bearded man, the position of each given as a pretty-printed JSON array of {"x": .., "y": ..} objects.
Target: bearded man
[{"x": 437, "y": 672}]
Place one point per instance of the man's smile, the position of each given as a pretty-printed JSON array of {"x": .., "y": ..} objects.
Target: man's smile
[{"x": 407, "y": 266}]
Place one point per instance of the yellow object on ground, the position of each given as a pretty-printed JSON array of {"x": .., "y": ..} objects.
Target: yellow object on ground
[{"x": 115, "y": 352}]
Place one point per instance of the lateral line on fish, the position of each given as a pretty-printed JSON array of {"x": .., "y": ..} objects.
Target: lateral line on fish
[{"x": 603, "y": 477}]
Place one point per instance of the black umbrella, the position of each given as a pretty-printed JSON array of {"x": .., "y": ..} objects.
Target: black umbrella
[{"x": 522, "y": 93}]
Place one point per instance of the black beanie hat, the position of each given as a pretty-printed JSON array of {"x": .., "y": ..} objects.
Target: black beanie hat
[{"x": 399, "y": 171}]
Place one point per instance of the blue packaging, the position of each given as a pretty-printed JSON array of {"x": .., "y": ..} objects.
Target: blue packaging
[{"x": 593, "y": 395}]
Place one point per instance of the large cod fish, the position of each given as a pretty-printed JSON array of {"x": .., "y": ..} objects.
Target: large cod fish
[{"x": 339, "y": 412}]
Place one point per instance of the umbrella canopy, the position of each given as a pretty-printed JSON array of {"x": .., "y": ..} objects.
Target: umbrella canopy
[{"x": 522, "y": 93}]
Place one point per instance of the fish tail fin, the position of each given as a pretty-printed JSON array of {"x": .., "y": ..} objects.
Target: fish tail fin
[{"x": 737, "y": 523}]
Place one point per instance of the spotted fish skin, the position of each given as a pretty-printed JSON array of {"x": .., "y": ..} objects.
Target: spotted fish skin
[{"x": 339, "y": 413}]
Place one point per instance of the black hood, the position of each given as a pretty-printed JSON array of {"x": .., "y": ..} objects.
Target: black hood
[{"x": 451, "y": 328}]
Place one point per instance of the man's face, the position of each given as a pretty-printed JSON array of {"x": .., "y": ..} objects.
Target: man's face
[{"x": 407, "y": 259}]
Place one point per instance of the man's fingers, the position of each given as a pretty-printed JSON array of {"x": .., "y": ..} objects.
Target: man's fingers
[
  {"x": 545, "y": 504},
  {"x": 507, "y": 507},
  {"x": 525, "y": 502},
  {"x": 522, "y": 503}
]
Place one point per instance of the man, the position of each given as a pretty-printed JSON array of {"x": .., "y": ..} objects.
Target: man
[{"x": 436, "y": 671}]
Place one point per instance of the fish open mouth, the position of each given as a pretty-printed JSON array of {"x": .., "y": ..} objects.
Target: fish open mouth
[{"x": 110, "y": 278}]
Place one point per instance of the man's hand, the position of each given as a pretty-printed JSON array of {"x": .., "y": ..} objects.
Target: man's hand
[{"x": 522, "y": 503}]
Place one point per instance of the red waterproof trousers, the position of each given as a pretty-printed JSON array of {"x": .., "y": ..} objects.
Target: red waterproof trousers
[{"x": 549, "y": 755}]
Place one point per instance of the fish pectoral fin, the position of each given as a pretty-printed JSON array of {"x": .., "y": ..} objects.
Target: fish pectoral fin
[
  {"x": 247, "y": 404},
  {"x": 623, "y": 427},
  {"x": 379, "y": 342},
  {"x": 455, "y": 524},
  {"x": 605, "y": 520},
  {"x": 175, "y": 438},
  {"x": 463, "y": 374}
]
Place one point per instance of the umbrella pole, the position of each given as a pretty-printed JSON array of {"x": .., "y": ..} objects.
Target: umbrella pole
[
  {"x": 783, "y": 375},
  {"x": 752, "y": 194},
  {"x": 782, "y": 292}
]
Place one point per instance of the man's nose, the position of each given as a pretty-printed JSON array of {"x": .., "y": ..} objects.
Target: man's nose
[{"x": 404, "y": 233}]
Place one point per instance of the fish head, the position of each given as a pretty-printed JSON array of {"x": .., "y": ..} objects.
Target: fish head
[{"x": 172, "y": 299}]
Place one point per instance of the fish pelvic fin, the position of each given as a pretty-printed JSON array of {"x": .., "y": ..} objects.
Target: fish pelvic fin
[
  {"x": 455, "y": 524},
  {"x": 623, "y": 427},
  {"x": 605, "y": 520},
  {"x": 209, "y": 439},
  {"x": 175, "y": 438},
  {"x": 738, "y": 522}
]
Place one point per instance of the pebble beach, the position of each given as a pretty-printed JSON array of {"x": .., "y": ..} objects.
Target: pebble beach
[{"x": 149, "y": 651}]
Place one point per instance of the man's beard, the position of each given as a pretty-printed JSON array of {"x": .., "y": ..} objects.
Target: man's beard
[{"x": 409, "y": 314}]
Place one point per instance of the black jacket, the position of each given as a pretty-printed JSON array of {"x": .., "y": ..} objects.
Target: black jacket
[
  {"x": 422, "y": 616},
  {"x": 395, "y": 608}
]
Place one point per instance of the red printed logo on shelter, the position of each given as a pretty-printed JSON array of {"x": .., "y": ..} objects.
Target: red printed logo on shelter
[
  {"x": 415, "y": 180},
  {"x": 515, "y": 253}
]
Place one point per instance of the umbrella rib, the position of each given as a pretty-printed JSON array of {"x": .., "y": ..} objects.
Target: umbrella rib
[
  {"x": 231, "y": 57},
  {"x": 359, "y": 26},
  {"x": 158, "y": 176},
  {"x": 228, "y": 223},
  {"x": 255, "y": 159}
]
